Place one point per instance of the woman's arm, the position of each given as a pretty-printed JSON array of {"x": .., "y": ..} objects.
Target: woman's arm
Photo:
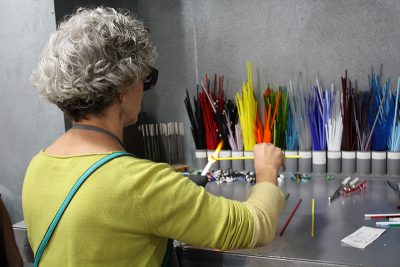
[{"x": 174, "y": 207}]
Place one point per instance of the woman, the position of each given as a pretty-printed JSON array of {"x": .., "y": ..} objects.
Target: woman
[{"x": 94, "y": 68}]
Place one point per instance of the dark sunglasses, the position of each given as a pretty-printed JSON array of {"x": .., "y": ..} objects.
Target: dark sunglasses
[{"x": 150, "y": 81}]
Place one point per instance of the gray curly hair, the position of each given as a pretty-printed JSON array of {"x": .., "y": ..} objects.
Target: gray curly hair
[{"x": 92, "y": 57}]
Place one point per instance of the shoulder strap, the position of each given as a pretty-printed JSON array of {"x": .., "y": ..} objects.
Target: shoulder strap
[
  {"x": 168, "y": 252},
  {"x": 67, "y": 200}
]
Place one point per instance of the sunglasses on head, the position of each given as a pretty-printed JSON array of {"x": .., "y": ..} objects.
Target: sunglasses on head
[{"x": 150, "y": 81}]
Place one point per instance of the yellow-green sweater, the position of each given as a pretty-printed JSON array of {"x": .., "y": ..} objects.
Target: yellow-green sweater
[{"x": 124, "y": 213}]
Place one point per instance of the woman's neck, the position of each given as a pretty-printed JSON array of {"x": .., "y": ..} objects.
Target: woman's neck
[
  {"x": 78, "y": 141},
  {"x": 110, "y": 121},
  {"x": 116, "y": 130}
]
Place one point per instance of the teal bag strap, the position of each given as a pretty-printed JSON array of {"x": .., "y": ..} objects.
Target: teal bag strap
[
  {"x": 167, "y": 256},
  {"x": 67, "y": 200}
]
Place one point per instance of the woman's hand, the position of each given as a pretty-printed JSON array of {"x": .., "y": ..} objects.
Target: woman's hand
[{"x": 267, "y": 161}]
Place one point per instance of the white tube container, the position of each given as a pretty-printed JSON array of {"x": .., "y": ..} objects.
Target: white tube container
[
  {"x": 319, "y": 161},
  {"x": 363, "y": 164},
  {"x": 201, "y": 158},
  {"x": 348, "y": 162},
  {"x": 291, "y": 164},
  {"x": 378, "y": 162},
  {"x": 334, "y": 159},
  {"x": 249, "y": 163},
  {"x": 305, "y": 161},
  {"x": 237, "y": 164},
  {"x": 393, "y": 163},
  {"x": 225, "y": 164}
]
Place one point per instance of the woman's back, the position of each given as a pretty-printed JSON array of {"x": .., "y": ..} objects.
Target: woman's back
[{"x": 102, "y": 226}]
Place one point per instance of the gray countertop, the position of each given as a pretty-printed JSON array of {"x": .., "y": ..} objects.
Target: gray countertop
[{"x": 333, "y": 222}]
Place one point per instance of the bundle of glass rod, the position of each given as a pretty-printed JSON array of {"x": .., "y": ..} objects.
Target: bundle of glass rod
[
  {"x": 239, "y": 137},
  {"x": 163, "y": 142},
  {"x": 281, "y": 120},
  {"x": 362, "y": 100},
  {"x": 275, "y": 116},
  {"x": 196, "y": 120},
  {"x": 380, "y": 115},
  {"x": 297, "y": 102},
  {"x": 393, "y": 145},
  {"x": 225, "y": 113},
  {"x": 292, "y": 141},
  {"x": 320, "y": 106},
  {"x": 335, "y": 124},
  {"x": 224, "y": 124},
  {"x": 394, "y": 139},
  {"x": 234, "y": 135},
  {"x": 349, "y": 138},
  {"x": 271, "y": 102},
  {"x": 247, "y": 109},
  {"x": 208, "y": 112}
]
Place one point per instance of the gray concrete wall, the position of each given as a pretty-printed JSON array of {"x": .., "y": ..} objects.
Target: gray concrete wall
[
  {"x": 27, "y": 123},
  {"x": 281, "y": 37}
]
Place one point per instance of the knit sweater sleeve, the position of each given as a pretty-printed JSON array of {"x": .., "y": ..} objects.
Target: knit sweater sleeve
[
  {"x": 176, "y": 208},
  {"x": 266, "y": 202}
]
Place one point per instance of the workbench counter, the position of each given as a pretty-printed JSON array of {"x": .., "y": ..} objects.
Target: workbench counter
[{"x": 333, "y": 222}]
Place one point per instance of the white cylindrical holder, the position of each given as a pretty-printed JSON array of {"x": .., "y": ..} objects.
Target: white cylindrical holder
[
  {"x": 215, "y": 165},
  {"x": 334, "y": 159},
  {"x": 305, "y": 161},
  {"x": 378, "y": 162},
  {"x": 348, "y": 162},
  {"x": 291, "y": 164},
  {"x": 363, "y": 164},
  {"x": 201, "y": 158},
  {"x": 225, "y": 164},
  {"x": 393, "y": 163},
  {"x": 249, "y": 163},
  {"x": 319, "y": 161},
  {"x": 237, "y": 164}
]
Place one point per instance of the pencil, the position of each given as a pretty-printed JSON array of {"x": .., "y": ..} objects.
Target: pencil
[
  {"x": 382, "y": 215},
  {"x": 312, "y": 217},
  {"x": 290, "y": 217}
]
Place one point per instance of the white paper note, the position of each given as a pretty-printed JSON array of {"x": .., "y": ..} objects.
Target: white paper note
[{"x": 363, "y": 237}]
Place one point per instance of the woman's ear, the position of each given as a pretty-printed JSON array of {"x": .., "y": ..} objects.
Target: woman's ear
[{"x": 122, "y": 96}]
